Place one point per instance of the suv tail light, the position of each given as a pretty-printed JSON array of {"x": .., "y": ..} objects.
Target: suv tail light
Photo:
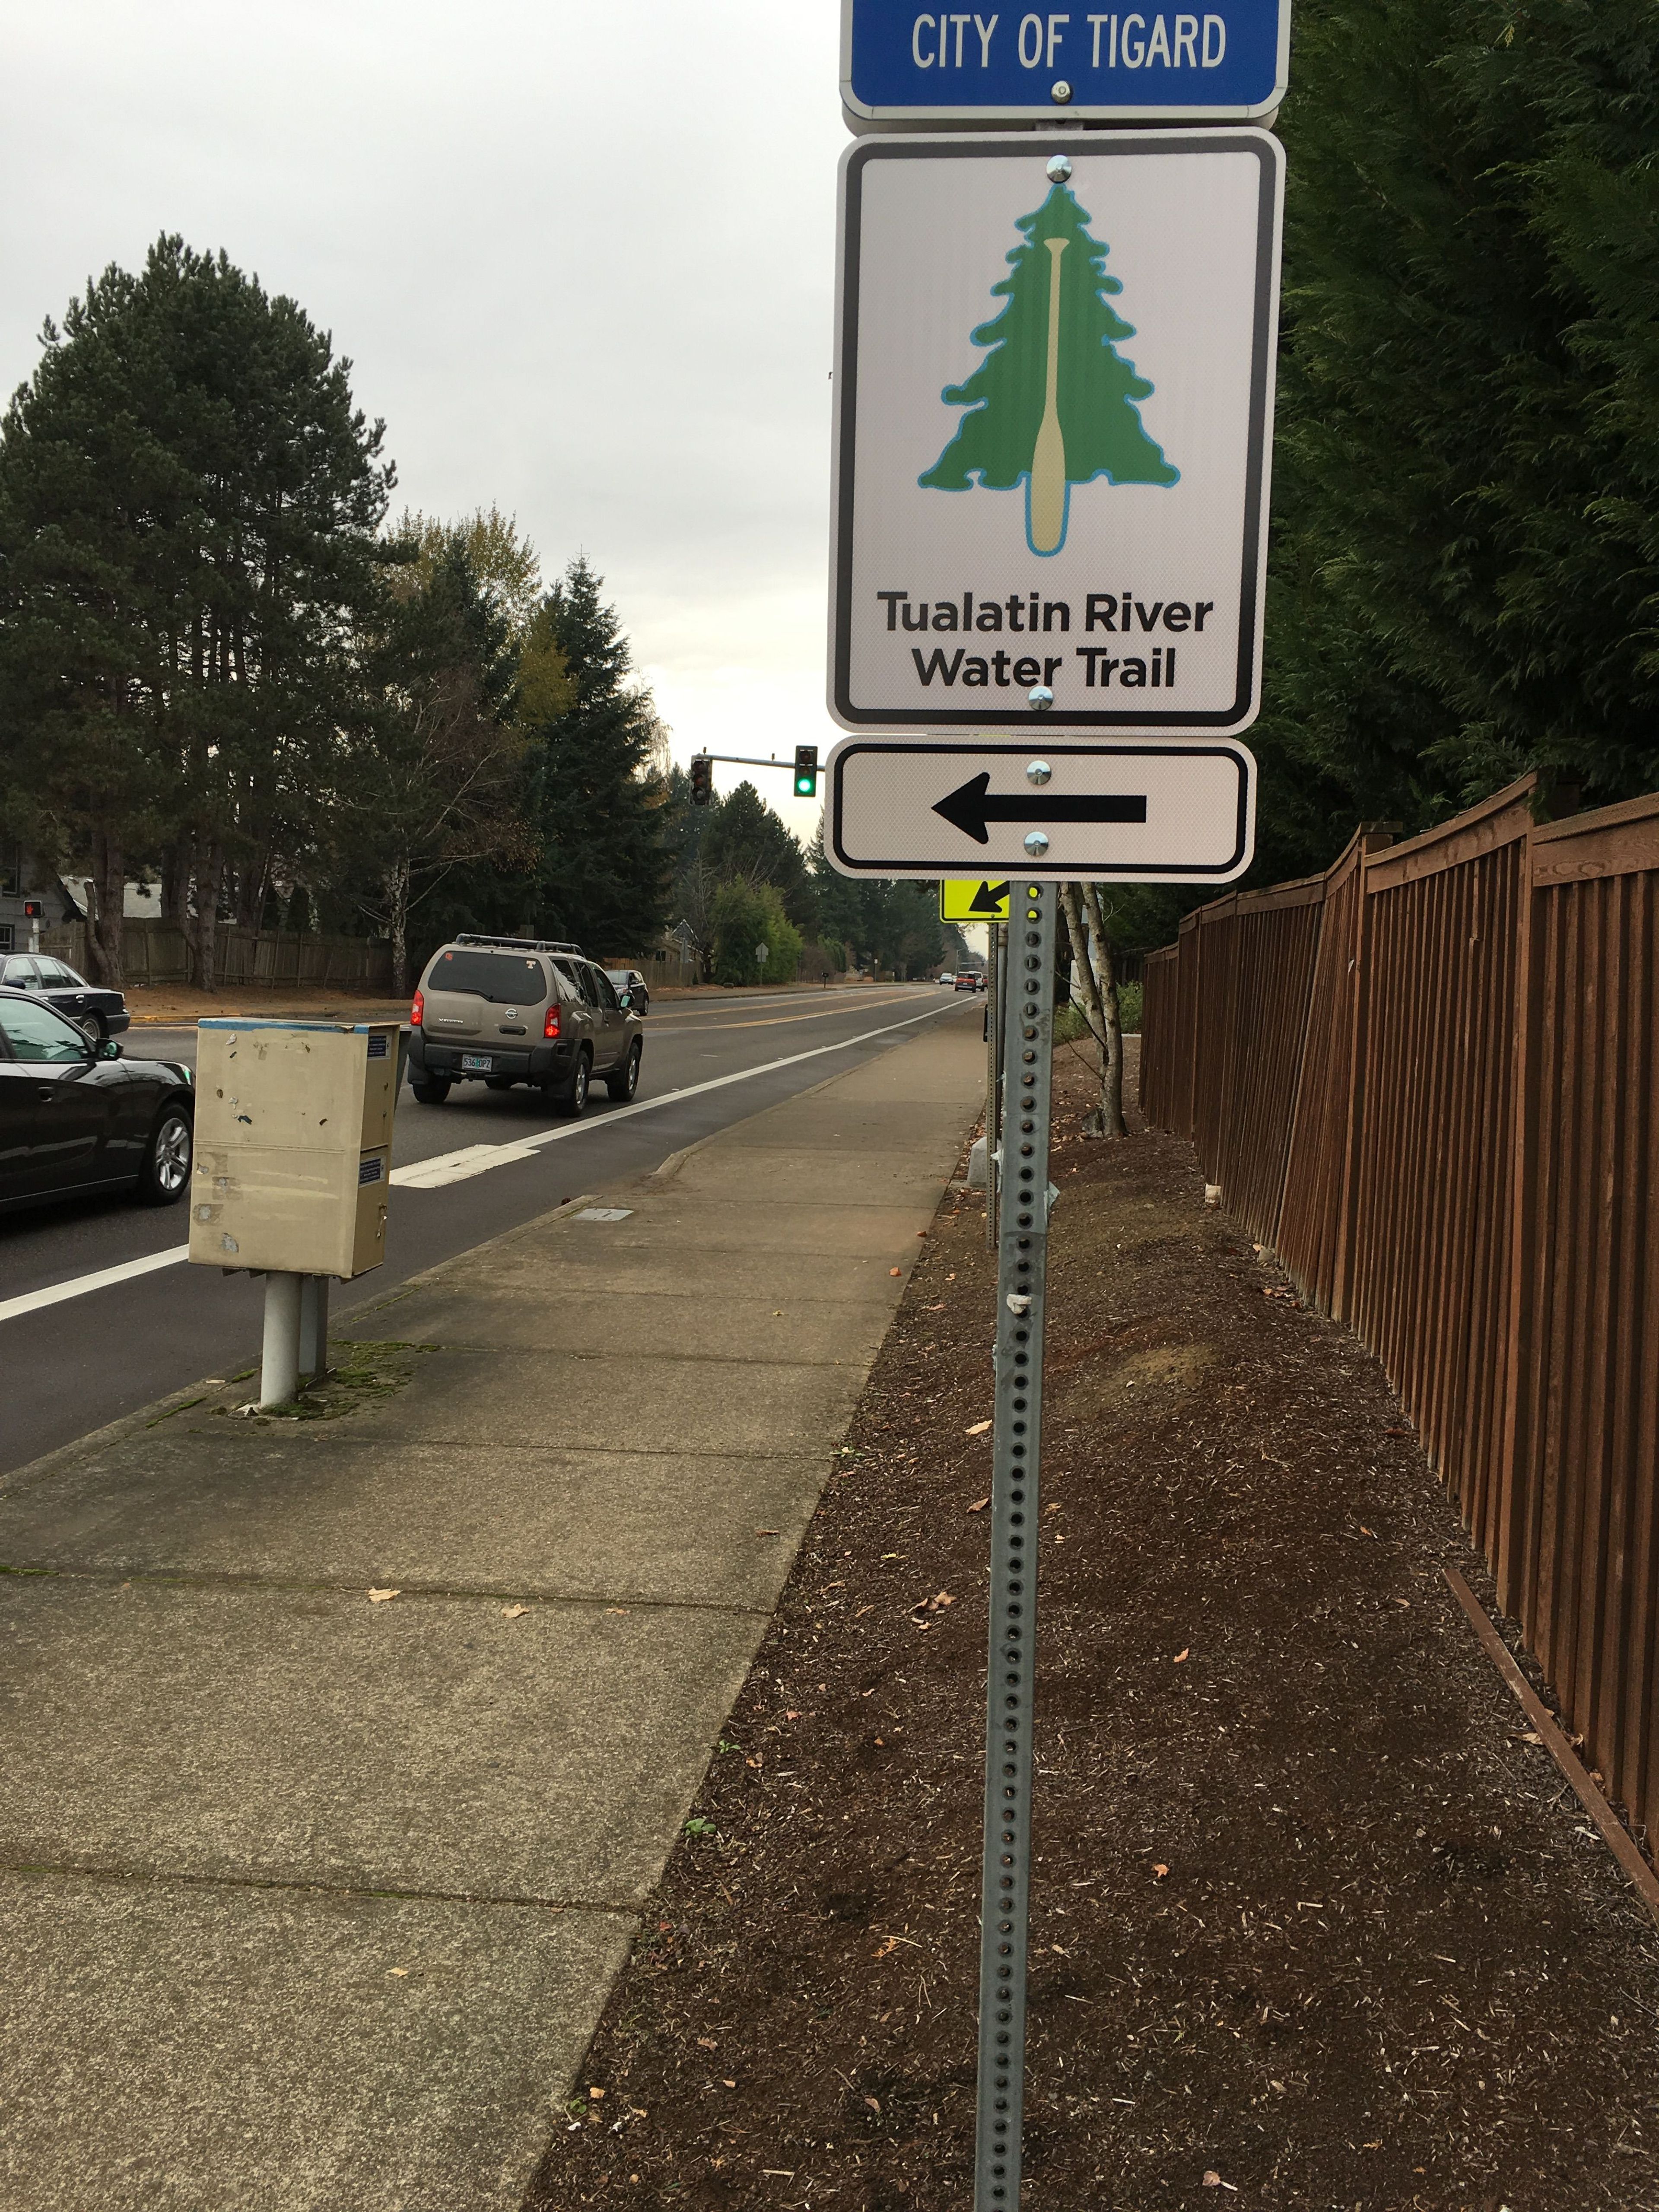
[
  {"x": 551, "y": 1026},
  {"x": 417, "y": 1009}
]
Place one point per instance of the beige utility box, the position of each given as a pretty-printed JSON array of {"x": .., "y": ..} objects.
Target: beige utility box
[{"x": 293, "y": 1146}]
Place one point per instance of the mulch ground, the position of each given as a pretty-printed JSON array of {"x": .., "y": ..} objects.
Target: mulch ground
[{"x": 1313, "y": 1925}]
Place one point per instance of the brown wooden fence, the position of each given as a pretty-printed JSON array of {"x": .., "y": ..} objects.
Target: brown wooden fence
[
  {"x": 1425, "y": 1078},
  {"x": 157, "y": 952}
]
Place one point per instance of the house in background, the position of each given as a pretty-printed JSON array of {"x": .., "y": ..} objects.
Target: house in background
[{"x": 23, "y": 884}]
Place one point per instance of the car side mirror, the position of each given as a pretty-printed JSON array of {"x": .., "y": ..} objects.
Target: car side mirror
[{"x": 110, "y": 1049}]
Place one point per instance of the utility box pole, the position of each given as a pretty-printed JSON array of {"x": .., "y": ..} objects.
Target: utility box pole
[{"x": 293, "y": 1166}]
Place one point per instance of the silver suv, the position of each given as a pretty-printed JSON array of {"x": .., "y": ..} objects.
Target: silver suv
[{"x": 506, "y": 1010}]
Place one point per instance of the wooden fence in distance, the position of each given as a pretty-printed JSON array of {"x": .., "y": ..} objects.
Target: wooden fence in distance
[
  {"x": 1426, "y": 1079},
  {"x": 157, "y": 952}
]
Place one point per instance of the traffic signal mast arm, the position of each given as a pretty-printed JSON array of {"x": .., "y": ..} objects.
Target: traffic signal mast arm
[
  {"x": 804, "y": 767},
  {"x": 747, "y": 760}
]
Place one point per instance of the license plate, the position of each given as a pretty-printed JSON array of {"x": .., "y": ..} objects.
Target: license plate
[{"x": 480, "y": 1062}]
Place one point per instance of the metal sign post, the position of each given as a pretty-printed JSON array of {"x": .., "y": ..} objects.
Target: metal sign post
[{"x": 1022, "y": 1265}]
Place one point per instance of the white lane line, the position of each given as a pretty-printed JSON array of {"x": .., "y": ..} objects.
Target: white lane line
[
  {"x": 456, "y": 1167},
  {"x": 478, "y": 1159},
  {"x": 33, "y": 1301},
  {"x": 459, "y": 1167}
]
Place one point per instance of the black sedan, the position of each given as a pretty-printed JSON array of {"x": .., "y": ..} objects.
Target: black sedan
[
  {"x": 101, "y": 1014},
  {"x": 76, "y": 1116}
]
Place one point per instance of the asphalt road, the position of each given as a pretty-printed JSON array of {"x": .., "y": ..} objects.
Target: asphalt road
[{"x": 73, "y": 1364}]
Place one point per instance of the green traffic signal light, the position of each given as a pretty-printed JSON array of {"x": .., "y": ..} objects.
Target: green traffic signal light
[{"x": 807, "y": 771}]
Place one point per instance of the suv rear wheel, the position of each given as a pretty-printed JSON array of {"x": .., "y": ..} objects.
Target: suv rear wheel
[
  {"x": 626, "y": 1081},
  {"x": 575, "y": 1101},
  {"x": 432, "y": 1091}
]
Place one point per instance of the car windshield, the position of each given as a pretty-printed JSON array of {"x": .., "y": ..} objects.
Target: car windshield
[
  {"x": 34, "y": 1032},
  {"x": 504, "y": 978}
]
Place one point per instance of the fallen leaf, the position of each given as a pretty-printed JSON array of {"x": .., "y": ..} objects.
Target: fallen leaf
[
  {"x": 706, "y": 2043},
  {"x": 792, "y": 1716},
  {"x": 616, "y": 1608},
  {"x": 888, "y": 1943},
  {"x": 1405, "y": 1602},
  {"x": 874, "y": 2103},
  {"x": 595, "y": 2093},
  {"x": 979, "y": 1505},
  {"x": 383, "y": 1597},
  {"x": 1159, "y": 1871},
  {"x": 402, "y": 1972},
  {"x": 921, "y": 1232},
  {"x": 1180, "y": 1656},
  {"x": 1365, "y": 1531},
  {"x": 1530, "y": 1735},
  {"x": 1211, "y": 2179},
  {"x": 978, "y": 1429},
  {"x": 513, "y": 1612},
  {"x": 896, "y": 1271},
  {"x": 725, "y": 2084}
]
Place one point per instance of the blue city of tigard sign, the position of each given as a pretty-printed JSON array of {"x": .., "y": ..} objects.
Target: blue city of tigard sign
[{"x": 1225, "y": 62}]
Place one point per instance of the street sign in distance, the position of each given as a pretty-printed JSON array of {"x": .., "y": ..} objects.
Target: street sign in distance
[
  {"x": 1053, "y": 419},
  {"x": 1226, "y": 62},
  {"x": 1149, "y": 813},
  {"x": 971, "y": 898}
]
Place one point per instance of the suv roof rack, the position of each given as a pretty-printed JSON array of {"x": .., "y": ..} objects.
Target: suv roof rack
[{"x": 520, "y": 944}]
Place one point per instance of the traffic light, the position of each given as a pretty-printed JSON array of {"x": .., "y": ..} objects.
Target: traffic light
[
  {"x": 703, "y": 779},
  {"x": 807, "y": 771},
  {"x": 35, "y": 910}
]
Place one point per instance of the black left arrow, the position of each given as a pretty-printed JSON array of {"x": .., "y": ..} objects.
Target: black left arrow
[
  {"x": 969, "y": 807},
  {"x": 990, "y": 898}
]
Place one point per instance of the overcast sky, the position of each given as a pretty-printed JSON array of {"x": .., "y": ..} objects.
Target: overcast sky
[{"x": 578, "y": 251}]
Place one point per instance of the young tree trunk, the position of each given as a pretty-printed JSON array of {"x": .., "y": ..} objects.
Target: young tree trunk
[
  {"x": 210, "y": 877},
  {"x": 1084, "y": 975},
  {"x": 1106, "y": 977},
  {"x": 396, "y": 909},
  {"x": 105, "y": 909}
]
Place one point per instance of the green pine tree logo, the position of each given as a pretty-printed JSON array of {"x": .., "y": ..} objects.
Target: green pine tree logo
[{"x": 1052, "y": 404}]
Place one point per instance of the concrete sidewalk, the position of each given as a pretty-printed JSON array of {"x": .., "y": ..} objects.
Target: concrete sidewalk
[{"x": 310, "y": 1901}]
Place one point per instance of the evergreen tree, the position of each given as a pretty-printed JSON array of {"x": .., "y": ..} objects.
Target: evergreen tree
[
  {"x": 189, "y": 510},
  {"x": 596, "y": 804},
  {"x": 746, "y": 840},
  {"x": 1052, "y": 404},
  {"x": 1465, "y": 559}
]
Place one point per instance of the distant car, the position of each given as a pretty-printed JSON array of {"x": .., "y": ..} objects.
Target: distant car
[
  {"x": 967, "y": 981},
  {"x": 948, "y": 978},
  {"x": 78, "y": 1116},
  {"x": 507, "y": 1010},
  {"x": 631, "y": 988},
  {"x": 101, "y": 1014}
]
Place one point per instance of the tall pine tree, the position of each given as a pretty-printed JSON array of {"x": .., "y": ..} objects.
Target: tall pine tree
[{"x": 596, "y": 802}]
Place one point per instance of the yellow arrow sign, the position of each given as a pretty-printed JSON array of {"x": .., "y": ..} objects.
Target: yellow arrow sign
[{"x": 970, "y": 898}]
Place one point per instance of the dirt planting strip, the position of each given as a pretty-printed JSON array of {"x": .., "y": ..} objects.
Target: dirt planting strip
[{"x": 1317, "y": 1922}]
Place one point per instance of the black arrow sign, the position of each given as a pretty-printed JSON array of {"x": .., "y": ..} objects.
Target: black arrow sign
[
  {"x": 970, "y": 806},
  {"x": 990, "y": 898}
]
